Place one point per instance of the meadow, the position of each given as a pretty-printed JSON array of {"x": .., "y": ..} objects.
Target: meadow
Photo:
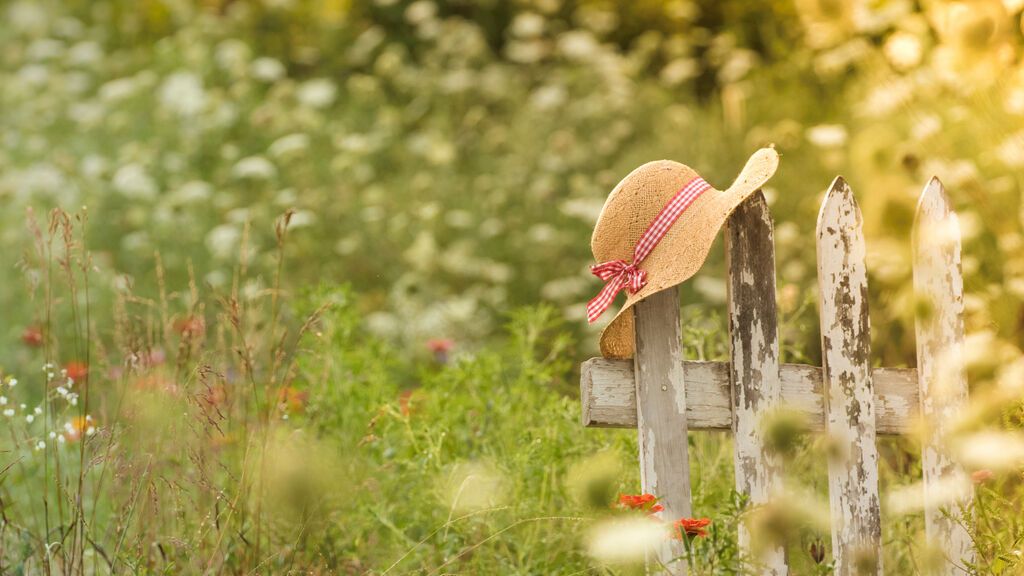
[{"x": 298, "y": 287}]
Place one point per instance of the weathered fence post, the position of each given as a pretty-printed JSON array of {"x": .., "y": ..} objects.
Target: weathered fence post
[
  {"x": 939, "y": 284},
  {"x": 849, "y": 393},
  {"x": 754, "y": 360},
  {"x": 661, "y": 413}
]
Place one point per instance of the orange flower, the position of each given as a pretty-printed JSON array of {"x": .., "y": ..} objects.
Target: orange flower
[
  {"x": 79, "y": 426},
  {"x": 981, "y": 476},
  {"x": 292, "y": 400},
  {"x": 77, "y": 371},
  {"x": 405, "y": 402},
  {"x": 646, "y": 502},
  {"x": 32, "y": 336},
  {"x": 691, "y": 527},
  {"x": 190, "y": 326}
]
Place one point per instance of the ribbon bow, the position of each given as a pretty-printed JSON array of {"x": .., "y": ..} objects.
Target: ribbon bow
[{"x": 619, "y": 274}]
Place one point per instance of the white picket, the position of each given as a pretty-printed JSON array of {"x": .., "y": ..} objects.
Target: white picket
[
  {"x": 754, "y": 362},
  {"x": 939, "y": 285},
  {"x": 849, "y": 394},
  {"x": 661, "y": 415}
]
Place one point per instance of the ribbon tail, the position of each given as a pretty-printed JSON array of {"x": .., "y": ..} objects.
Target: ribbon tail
[{"x": 604, "y": 299}]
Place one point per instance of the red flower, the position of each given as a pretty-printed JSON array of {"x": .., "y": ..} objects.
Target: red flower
[
  {"x": 691, "y": 527},
  {"x": 32, "y": 336},
  {"x": 77, "y": 371},
  {"x": 440, "y": 347},
  {"x": 646, "y": 502}
]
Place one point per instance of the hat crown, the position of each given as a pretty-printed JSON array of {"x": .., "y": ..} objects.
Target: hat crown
[{"x": 633, "y": 204}]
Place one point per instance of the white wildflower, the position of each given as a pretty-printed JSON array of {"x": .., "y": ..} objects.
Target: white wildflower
[
  {"x": 134, "y": 182},
  {"x": 290, "y": 144},
  {"x": 549, "y": 97},
  {"x": 29, "y": 418},
  {"x": 528, "y": 25},
  {"x": 9, "y": 412},
  {"x": 12, "y": 382},
  {"x": 223, "y": 240},
  {"x": 85, "y": 53},
  {"x": 232, "y": 54},
  {"x": 183, "y": 94},
  {"x": 40, "y": 445},
  {"x": 420, "y": 12},
  {"x": 255, "y": 167},
  {"x": 904, "y": 50},
  {"x": 3, "y": 400},
  {"x": 119, "y": 89},
  {"x": 680, "y": 70},
  {"x": 267, "y": 69},
  {"x": 578, "y": 44},
  {"x": 190, "y": 192},
  {"x": 827, "y": 135},
  {"x": 625, "y": 540},
  {"x": 317, "y": 93}
]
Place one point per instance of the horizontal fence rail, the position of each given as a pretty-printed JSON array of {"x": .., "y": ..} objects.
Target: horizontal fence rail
[{"x": 609, "y": 401}]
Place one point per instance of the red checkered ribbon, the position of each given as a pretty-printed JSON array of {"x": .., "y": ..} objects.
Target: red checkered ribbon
[{"x": 619, "y": 274}]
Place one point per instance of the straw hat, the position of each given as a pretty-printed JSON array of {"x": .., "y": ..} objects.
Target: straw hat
[{"x": 669, "y": 205}]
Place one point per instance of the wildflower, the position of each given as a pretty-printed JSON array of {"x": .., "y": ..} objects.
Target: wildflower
[
  {"x": 981, "y": 476},
  {"x": 440, "y": 347},
  {"x": 3, "y": 400},
  {"x": 292, "y": 400},
  {"x": 30, "y": 418},
  {"x": 317, "y": 93},
  {"x": 40, "y": 445},
  {"x": 32, "y": 336},
  {"x": 77, "y": 427},
  {"x": 9, "y": 412},
  {"x": 622, "y": 541},
  {"x": 76, "y": 371},
  {"x": 645, "y": 502},
  {"x": 12, "y": 382},
  {"x": 135, "y": 183},
  {"x": 690, "y": 527},
  {"x": 405, "y": 402}
]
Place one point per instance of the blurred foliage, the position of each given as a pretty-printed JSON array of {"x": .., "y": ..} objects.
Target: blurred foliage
[{"x": 448, "y": 159}]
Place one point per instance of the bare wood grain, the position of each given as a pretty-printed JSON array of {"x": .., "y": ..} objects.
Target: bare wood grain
[
  {"x": 661, "y": 414},
  {"x": 608, "y": 395},
  {"x": 849, "y": 397},
  {"x": 754, "y": 363},
  {"x": 939, "y": 286}
]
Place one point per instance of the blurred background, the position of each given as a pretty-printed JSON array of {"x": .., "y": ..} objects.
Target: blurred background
[{"x": 448, "y": 159}]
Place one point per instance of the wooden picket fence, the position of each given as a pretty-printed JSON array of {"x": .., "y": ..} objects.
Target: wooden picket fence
[{"x": 664, "y": 396}]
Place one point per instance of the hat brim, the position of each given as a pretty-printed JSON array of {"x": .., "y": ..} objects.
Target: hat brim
[{"x": 683, "y": 250}]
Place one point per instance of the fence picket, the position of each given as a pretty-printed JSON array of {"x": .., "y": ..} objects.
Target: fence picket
[
  {"x": 754, "y": 360},
  {"x": 661, "y": 413},
  {"x": 849, "y": 394},
  {"x": 938, "y": 282}
]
